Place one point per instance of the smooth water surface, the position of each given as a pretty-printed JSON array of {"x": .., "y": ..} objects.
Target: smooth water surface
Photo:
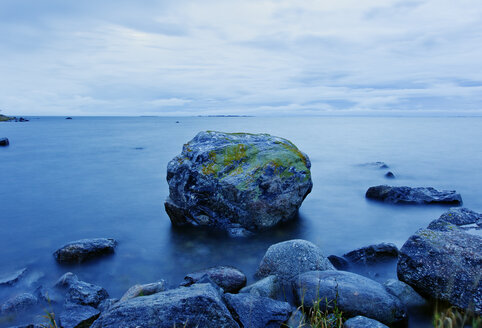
[{"x": 63, "y": 180}]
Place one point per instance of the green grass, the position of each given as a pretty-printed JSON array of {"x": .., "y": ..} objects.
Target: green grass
[{"x": 455, "y": 318}]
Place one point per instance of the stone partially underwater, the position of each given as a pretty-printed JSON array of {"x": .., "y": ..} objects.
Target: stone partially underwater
[{"x": 237, "y": 182}]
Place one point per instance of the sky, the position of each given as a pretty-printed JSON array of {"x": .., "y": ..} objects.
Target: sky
[{"x": 299, "y": 57}]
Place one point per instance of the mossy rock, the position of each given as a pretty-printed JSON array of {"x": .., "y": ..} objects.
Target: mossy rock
[{"x": 237, "y": 181}]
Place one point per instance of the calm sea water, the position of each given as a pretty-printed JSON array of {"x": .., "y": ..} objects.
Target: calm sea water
[{"x": 62, "y": 180}]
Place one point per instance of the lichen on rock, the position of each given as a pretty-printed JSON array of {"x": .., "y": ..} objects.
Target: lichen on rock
[{"x": 237, "y": 180}]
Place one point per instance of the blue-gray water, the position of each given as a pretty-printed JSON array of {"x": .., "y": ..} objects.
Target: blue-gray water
[{"x": 62, "y": 180}]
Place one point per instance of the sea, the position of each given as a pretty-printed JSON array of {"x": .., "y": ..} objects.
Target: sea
[{"x": 63, "y": 180}]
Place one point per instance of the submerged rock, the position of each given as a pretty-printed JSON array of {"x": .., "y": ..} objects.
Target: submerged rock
[
  {"x": 12, "y": 277},
  {"x": 354, "y": 295},
  {"x": 199, "y": 305},
  {"x": 226, "y": 180},
  {"x": 230, "y": 279},
  {"x": 390, "y": 175},
  {"x": 81, "y": 250},
  {"x": 378, "y": 165},
  {"x": 78, "y": 316},
  {"x": 19, "y": 303},
  {"x": 409, "y": 195},
  {"x": 256, "y": 311},
  {"x": 445, "y": 265},
  {"x": 363, "y": 322},
  {"x": 144, "y": 290},
  {"x": 290, "y": 258},
  {"x": 81, "y": 292},
  {"x": 4, "y": 142},
  {"x": 373, "y": 253}
]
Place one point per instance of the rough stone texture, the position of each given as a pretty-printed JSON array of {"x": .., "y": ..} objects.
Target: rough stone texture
[
  {"x": 256, "y": 311},
  {"x": 199, "y": 305},
  {"x": 230, "y": 279},
  {"x": 11, "y": 277},
  {"x": 372, "y": 253},
  {"x": 81, "y": 292},
  {"x": 78, "y": 316},
  {"x": 4, "y": 142},
  {"x": 266, "y": 287},
  {"x": 454, "y": 218},
  {"x": 404, "y": 292},
  {"x": 237, "y": 180},
  {"x": 363, "y": 322},
  {"x": 354, "y": 295},
  {"x": 19, "y": 303},
  {"x": 106, "y": 304},
  {"x": 290, "y": 258},
  {"x": 48, "y": 295},
  {"x": 84, "y": 249},
  {"x": 408, "y": 195},
  {"x": 446, "y": 265},
  {"x": 144, "y": 290},
  {"x": 339, "y": 262}
]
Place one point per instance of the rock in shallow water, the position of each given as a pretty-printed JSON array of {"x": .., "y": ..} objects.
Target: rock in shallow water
[
  {"x": 197, "y": 306},
  {"x": 232, "y": 180},
  {"x": 84, "y": 249},
  {"x": 81, "y": 292},
  {"x": 409, "y": 195},
  {"x": 354, "y": 295},
  {"x": 19, "y": 303},
  {"x": 144, "y": 290},
  {"x": 230, "y": 279},
  {"x": 373, "y": 253},
  {"x": 4, "y": 142},
  {"x": 12, "y": 277}
]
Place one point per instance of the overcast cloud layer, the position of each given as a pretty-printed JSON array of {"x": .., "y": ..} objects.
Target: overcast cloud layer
[{"x": 260, "y": 57}]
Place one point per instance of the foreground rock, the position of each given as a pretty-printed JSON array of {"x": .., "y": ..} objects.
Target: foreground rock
[
  {"x": 81, "y": 292},
  {"x": 404, "y": 292},
  {"x": 408, "y": 195},
  {"x": 4, "y": 142},
  {"x": 197, "y": 306},
  {"x": 12, "y": 277},
  {"x": 84, "y": 249},
  {"x": 445, "y": 265},
  {"x": 19, "y": 303},
  {"x": 363, "y": 322},
  {"x": 144, "y": 290},
  {"x": 230, "y": 279},
  {"x": 78, "y": 316},
  {"x": 256, "y": 311},
  {"x": 290, "y": 258},
  {"x": 373, "y": 253},
  {"x": 234, "y": 181},
  {"x": 354, "y": 295},
  {"x": 266, "y": 287}
]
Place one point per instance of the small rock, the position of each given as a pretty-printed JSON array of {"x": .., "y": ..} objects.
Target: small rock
[
  {"x": 78, "y": 316},
  {"x": 256, "y": 311},
  {"x": 408, "y": 195},
  {"x": 404, "y": 292},
  {"x": 290, "y": 258},
  {"x": 106, "y": 304},
  {"x": 339, "y": 262},
  {"x": 378, "y": 165},
  {"x": 144, "y": 290},
  {"x": 81, "y": 250},
  {"x": 266, "y": 287},
  {"x": 373, "y": 253},
  {"x": 389, "y": 175},
  {"x": 12, "y": 277},
  {"x": 19, "y": 303},
  {"x": 68, "y": 118},
  {"x": 80, "y": 292},
  {"x": 297, "y": 320},
  {"x": 4, "y": 142},
  {"x": 230, "y": 279},
  {"x": 363, "y": 322}
]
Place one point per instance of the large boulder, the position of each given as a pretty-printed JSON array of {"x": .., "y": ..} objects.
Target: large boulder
[
  {"x": 230, "y": 279},
  {"x": 84, "y": 249},
  {"x": 445, "y": 265},
  {"x": 354, "y": 295},
  {"x": 197, "y": 306},
  {"x": 409, "y": 195},
  {"x": 256, "y": 311},
  {"x": 290, "y": 258},
  {"x": 237, "y": 180}
]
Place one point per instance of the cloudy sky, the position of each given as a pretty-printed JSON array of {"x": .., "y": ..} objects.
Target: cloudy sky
[{"x": 145, "y": 57}]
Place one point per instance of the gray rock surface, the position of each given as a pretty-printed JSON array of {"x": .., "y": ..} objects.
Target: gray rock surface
[
  {"x": 10, "y": 278},
  {"x": 81, "y": 292},
  {"x": 409, "y": 195},
  {"x": 339, "y": 262},
  {"x": 237, "y": 180},
  {"x": 404, "y": 292},
  {"x": 266, "y": 287},
  {"x": 106, "y": 304},
  {"x": 78, "y": 316},
  {"x": 144, "y": 290},
  {"x": 230, "y": 279},
  {"x": 445, "y": 265},
  {"x": 354, "y": 295},
  {"x": 199, "y": 305},
  {"x": 363, "y": 322},
  {"x": 19, "y": 303},
  {"x": 84, "y": 249},
  {"x": 456, "y": 218},
  {"x": 4, "y": 142},
  {"x": 373, "y": 253},
  {"x": 290, "y": 258},
  {"x": 256, "y": 311}
]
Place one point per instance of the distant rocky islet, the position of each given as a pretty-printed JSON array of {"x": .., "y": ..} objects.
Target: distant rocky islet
[{"x": 443, "y": 261}]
